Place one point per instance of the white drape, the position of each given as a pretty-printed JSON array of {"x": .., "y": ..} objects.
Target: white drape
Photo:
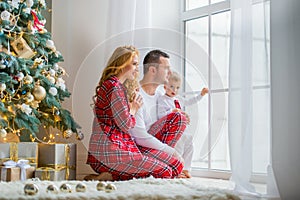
[
  {"x": 241, "y": 100},
  {"x": 127, "y": 16},
  {"x": 240, "y": 94}
]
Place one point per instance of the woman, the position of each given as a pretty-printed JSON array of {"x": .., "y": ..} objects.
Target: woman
[{"x": 112, "y": 151}]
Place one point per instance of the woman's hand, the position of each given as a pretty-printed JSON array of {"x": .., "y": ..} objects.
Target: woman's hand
[{"x": 136, "y": 103}]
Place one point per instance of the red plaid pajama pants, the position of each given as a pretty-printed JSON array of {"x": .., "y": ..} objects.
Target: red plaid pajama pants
[{"x": 150, "y": 162}]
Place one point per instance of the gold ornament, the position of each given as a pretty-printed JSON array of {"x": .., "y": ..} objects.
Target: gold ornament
[
  {"x": 31, "y": 189},
  {"x": 3, "y": 133},
  {"x": 110, "y": 187},
  {"x": 101, "y": 186},
  {"x": 67, "y": 133},
  {"x": 52, "y": 189},
  {"x": 39, "y": 92},
  {"x": 66, "y": 188},
  {"x": 80, "y": 187}
]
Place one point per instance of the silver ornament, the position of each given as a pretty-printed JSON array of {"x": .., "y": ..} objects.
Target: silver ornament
[
  {"x": 79, "y": 136},
  {"x": 80, "y": 187},
  {"x": 31, "y": 189},
  {"x": 52, "y": 189},
  {"x": 67, "y": 133},
  {"x": 101, "y": 186},
  {"x": 29, "y": 97},
  {"x": 2, "y": 66},
  {"x": 2, "y": 87},
  {"x": 66, "y": 188},
  {"x": 3, "y": 132},
  {"x": 20, "y": 76},
  {"x": 28, "y": 79},
  {"x": 110, "y": 187}
]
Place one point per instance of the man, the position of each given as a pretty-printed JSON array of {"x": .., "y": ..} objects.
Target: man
[{"x": 157, "y": 138}]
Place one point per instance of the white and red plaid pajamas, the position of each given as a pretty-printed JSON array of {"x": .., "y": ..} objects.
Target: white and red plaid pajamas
[{"x": 111, "y": 147}]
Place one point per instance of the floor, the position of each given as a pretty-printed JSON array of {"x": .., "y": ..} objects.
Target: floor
[{"x": 226, "y": 184}]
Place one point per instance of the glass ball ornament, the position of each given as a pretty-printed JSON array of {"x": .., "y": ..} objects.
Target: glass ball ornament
[
  {"x": 80, "y": 187},
  {"x": 28, "y": 79},
  {"x": 2, "y": 66},
  {"x": 39, "y": 92},
  {"x": 101, "y": 186},
  {"x": 66, "y": 188},
  {"x": 67, "y": 133},
  {"x": 52, "y": 189},
  {"x": 2, "y": 87},
  {"x": 110, "y": 187},
  {"x": 29, "y": 98},
  {"x": 20, "y": 76},
  {"x": 31, "y": 189},
  {"x": 80, "y": 136},
  {"x": 51, "y": 79},
  {"x": 53, "y": 91},
  {"x": 3, "y": 133}
]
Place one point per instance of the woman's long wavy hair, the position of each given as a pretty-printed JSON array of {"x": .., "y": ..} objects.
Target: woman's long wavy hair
[{"x": 121, "y": 57}]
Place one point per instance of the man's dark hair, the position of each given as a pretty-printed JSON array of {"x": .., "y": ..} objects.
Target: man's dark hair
[{"x": 152, "y": 59}]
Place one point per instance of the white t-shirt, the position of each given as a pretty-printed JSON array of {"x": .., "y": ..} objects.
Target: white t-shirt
[{"x": 145, "y": 117}]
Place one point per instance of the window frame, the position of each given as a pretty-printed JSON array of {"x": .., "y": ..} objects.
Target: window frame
[{"x": 208, "y": 11}]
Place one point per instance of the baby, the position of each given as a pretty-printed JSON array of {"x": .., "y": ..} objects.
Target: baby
[{"x": 170, "y": 102}]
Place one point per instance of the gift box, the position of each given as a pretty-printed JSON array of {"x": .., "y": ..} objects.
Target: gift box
[
  {"x": 15, "y": 173},
  {"x": 59, "y": 157},
  {"x": 50, "y": 174},
  {"x": 21, "y": 150}
]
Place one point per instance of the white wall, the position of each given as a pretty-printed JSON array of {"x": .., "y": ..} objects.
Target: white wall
[
  {"x": 79, "y": 30},
  {"x": 285, "y": 81}
]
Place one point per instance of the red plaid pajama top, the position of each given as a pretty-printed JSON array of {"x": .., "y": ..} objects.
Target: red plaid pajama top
[{"x": 111, "y": 147}]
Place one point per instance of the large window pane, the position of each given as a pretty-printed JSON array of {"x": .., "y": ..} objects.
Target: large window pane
[
  {"x": 192, "y": 4},
  {"x": 261, "y": 54},
  {"x": 199, "y": 129},
  {"x": 220, "y": 38},
  {"x": 261, "y": 130},
  {"x": 216, "y": 1},
  {"x": 219, "y": 131}
]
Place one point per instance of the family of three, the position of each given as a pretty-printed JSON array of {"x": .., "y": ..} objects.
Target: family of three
[{"x": 128, "y": 140}]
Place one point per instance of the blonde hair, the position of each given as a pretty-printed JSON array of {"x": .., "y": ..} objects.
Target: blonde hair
[
  {"x": 131, "y": 87},
  {"x": 175, "y": 77},
  {"x": 121, "y": 57}
]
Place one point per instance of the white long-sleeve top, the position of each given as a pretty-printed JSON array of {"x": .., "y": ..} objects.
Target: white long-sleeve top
[
  {"x": 166, "y": 105},
  {"x": 145, "y": 117}
]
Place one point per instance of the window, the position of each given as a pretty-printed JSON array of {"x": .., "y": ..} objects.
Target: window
[{"x": 207, "y": 46}]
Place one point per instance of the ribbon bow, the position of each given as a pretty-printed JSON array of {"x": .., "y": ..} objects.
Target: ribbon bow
[
  {"x": 22, "y": 164},
  {"x": 36, "y": 22}
]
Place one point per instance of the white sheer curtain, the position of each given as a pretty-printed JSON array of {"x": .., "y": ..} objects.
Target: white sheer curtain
[
  {"x": 240, "y": 94},
  {"x": 125, "y": 17},
  {"x": 241, "y": 100}
]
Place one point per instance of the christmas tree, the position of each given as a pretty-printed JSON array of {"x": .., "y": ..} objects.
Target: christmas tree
[{"x": 32, "y": 87}]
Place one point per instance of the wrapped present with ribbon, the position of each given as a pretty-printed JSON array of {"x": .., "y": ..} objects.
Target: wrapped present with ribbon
[
  {"x": 51, "y": 174},
  {"x": 19, "y": 151},
  {"x": 58, "y": 157},
  {"x": 14, "y": 171}
]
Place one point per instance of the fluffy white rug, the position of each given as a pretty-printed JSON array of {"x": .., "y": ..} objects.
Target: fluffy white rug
[{"x": 137, "y": 189}]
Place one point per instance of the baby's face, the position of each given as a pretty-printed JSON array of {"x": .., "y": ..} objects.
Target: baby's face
[{"x": 172, "y": 88}]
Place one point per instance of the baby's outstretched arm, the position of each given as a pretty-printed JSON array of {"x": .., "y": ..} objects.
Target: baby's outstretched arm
[{"x": 204, "y": 91}]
